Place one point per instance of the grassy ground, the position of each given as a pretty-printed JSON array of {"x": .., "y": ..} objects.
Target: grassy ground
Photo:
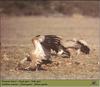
[{"x": 16, "y": 35}]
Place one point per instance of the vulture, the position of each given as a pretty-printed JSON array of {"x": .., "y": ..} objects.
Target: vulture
[
  {"x": 41, "y": 53},
  {"x": 79, "y": 45},
  {"x": 43, "y": 46}
]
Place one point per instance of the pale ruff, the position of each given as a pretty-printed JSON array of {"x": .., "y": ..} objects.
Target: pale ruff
[{"x": 39, "y": 52}]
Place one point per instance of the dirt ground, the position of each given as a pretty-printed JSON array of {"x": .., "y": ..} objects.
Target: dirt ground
[{"x": 16, "y": 35}]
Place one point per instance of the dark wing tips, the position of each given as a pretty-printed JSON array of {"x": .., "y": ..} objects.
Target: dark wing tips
[{"x": 85, "y": 49}]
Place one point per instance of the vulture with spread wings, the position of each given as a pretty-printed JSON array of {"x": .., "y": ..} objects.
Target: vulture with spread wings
[{"x": 43, "y": 45}]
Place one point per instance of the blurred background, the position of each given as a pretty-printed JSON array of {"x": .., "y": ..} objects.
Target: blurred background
[{"x": 50, "y": 7}]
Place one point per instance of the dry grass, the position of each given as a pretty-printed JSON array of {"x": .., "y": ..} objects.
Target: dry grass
[{"x": 16, "y": 35}]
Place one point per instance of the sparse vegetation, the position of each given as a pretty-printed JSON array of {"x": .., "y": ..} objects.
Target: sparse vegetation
[
  {"x": 22, "y": 19},
  {"x": 16, "y": 35}
]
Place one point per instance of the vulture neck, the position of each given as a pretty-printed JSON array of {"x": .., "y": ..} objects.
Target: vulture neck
[{"x": 38, "y": 49}]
